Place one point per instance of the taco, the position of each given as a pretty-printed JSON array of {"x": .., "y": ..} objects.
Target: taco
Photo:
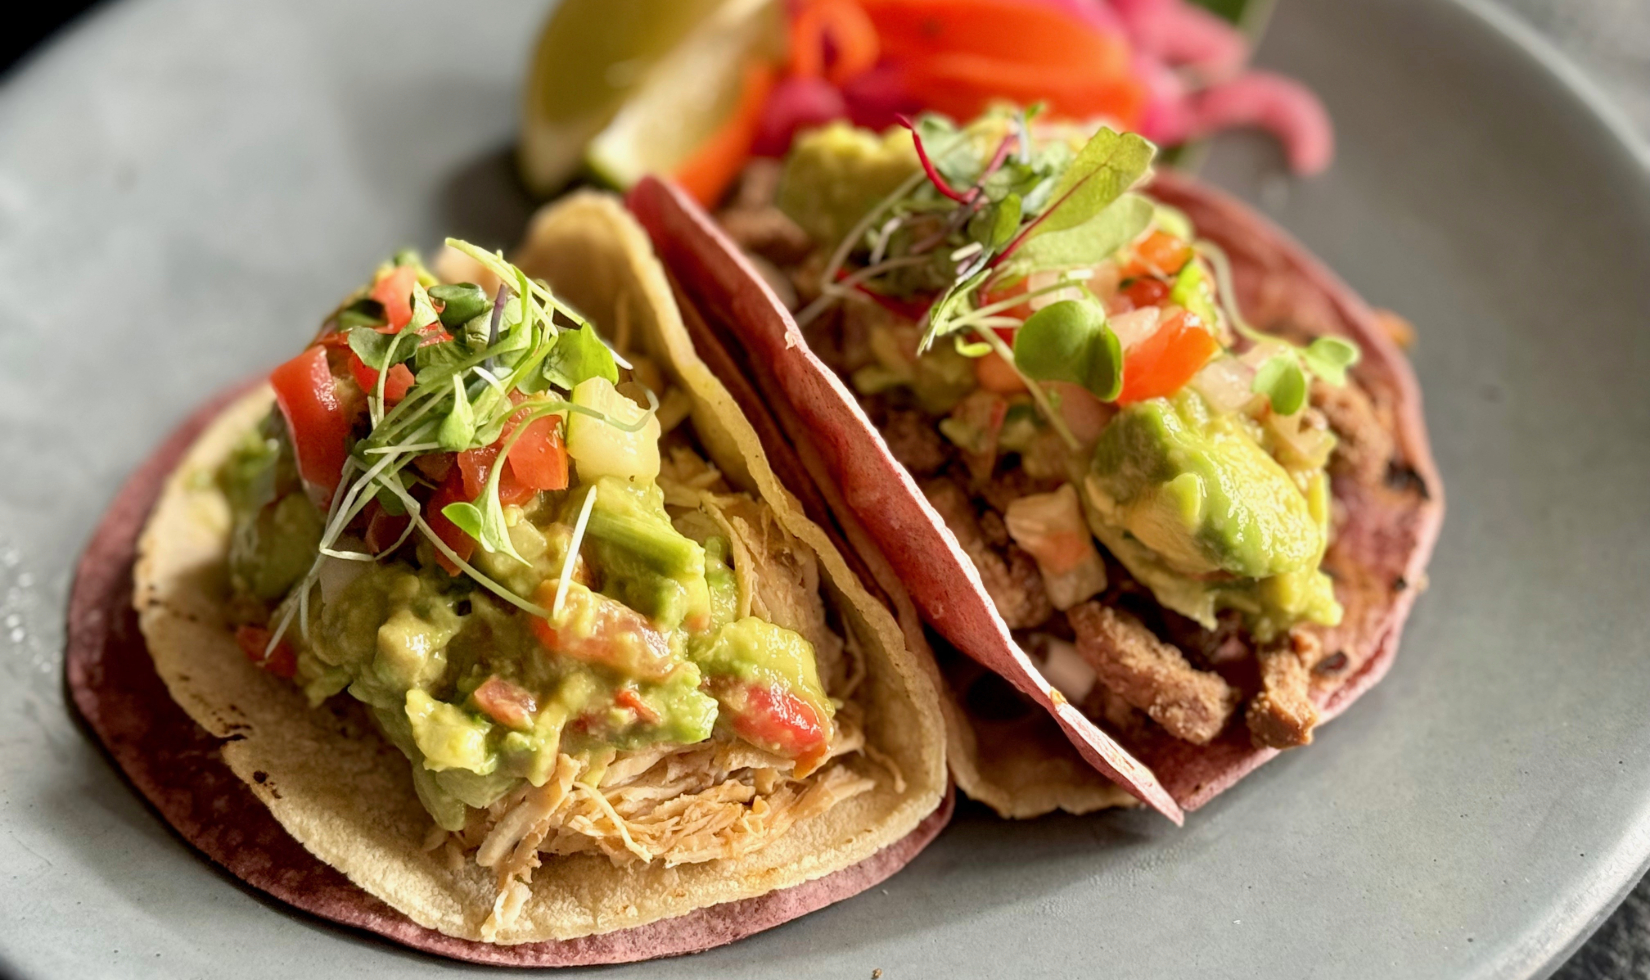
[
  {"x": 1128, "y": 449},
  {"x": 518, "y": 631}
]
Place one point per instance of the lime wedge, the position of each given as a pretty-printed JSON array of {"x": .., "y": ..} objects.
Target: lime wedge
[
  {"x": 687, "y": 95},
  {"x": 592, "y": 55}
]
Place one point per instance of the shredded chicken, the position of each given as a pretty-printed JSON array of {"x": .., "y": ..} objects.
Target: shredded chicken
[
  {"x": 1282, "y": 715},
  {"x": 1191, "y": 704},
  {"x": 687, "y": 804}
]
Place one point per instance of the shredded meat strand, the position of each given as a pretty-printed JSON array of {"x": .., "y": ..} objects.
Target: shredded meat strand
[
  {"x": 1192, "y": 705},
  {"x": 1364, "y": 445},
  {"x": 1011, "y": 578}
]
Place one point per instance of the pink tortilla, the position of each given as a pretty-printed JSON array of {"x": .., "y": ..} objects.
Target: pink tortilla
[
  {"x": 1380, "y": 554},
  {"x": 878, "y": 490},
  {"x": 177, "y": 766},
  {"x": 1389, "y": 532}
]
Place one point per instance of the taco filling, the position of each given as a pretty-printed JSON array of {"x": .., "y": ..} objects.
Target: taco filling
[
  {"x": 1141, "y": 479},
  {"x": 467, "y": 513}
]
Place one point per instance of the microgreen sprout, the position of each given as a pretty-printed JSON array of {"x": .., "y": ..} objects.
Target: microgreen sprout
[
  {"x": 572, "y": 554},
  {"x": 463, "y": 396}
]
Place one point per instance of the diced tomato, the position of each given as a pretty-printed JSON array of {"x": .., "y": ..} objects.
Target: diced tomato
[
  {"x": 451, "y": 491},
  {"x": 476, "y": 464},
  {"x": 394, "y": 291},
  {"x": 383, "y": 528},
  {"x": 538, "y": 460},
  {"x": 629, "y": 697},
  {"x": 1147, "y": 291},
  {"x": 511, "y": 705},
  {"x": 395, "y": 386},
  {"x": 315, "y": 416},
  {"x": 1161, "y": 254},
  {"x": 994, "y": 373},
  {"x": 1021, "y": 311},
  {"x": 1159, "y": 365},
  {"x": 254, "y": 640},
  {"x": 599, "y": 630},
  {"x": 773, "y": 718}
]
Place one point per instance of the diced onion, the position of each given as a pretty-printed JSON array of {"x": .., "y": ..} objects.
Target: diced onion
[
  {"x": 1051, "y": 527},
  {"x": 1066, "y": 669},
  {"x": 1136, "y": 325},
  {"x": 1226, "y": 383},
  {"x": 336, "y": 574},
  {"x": 1043, "y": 280},
  {"x": 1084, "y": 414},
  {"x": 601, "y": 449}
]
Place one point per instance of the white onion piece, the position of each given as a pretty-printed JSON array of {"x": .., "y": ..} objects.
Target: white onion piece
[
  {"x": 1043, "y": 280},
  {"x": 1136, "y": 325},
  {"x": 336, "y": 574},
  {"x": 1066, "y": 669},
  {"x": 1226, "y": 383},
  {"x": 1084, "y": 414}
]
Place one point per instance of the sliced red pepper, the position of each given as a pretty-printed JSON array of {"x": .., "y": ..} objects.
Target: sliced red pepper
[
  {"x": 599, "y": 630},
  {"x": 707, "y": 172},
  {"x": 1161, "y": 364},
  {"x": 509, "y": 704},
  {"x": 254, "y": 640},
  {"x": 451, "y": 491},
  {"x": 395, "y": 386},
  {"x": 315, "y": 416},
  {"x": 394, "y": 292},
  {"x": 774, "y": 718}
]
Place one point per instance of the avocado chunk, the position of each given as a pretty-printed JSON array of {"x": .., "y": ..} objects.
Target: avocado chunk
[
  {"x": 1201, "y": 493},
  {"x": 448, "y": 736},
  {"x": 1198, "y": 512},
  {"x": 837, "y": 173},
  {"x": 643, "y": 560},
  {"x": 756, "y": 651}
]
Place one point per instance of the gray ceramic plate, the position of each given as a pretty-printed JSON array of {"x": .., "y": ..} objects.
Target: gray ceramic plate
[{"x": 187, "y": 185}]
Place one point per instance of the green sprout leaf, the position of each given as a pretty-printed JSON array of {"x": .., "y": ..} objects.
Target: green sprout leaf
[
  {"x": 1108, "y": 165},
  {"x": 945, "y": 316},
  {"x": 1089, "y": 243},
  {"x": 579, "y": 355},
  {"x": 372, "y": 347},
  {"x": 461, "y": 303},
  {"x": 458, "y": 429},
  {"x": 1329, "y": 357},
  {"x": 423, "y": 311},
  {"x": 1281, "y": 380},
  {"x": 994, "y": 226},
  {"x": 979, "y": 348},
  {"x": 466, "y": 517},
  {"x": 1070, "y": 341}
]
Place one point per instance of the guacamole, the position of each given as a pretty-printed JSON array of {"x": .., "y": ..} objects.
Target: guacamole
[{"x": 519, "y": 590}]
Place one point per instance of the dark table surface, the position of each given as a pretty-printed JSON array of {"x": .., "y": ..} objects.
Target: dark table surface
[{"x": 1610, "y": 41}]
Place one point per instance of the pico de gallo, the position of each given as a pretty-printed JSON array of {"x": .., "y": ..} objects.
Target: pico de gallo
[
  {"x": 1056, "y": 358},
  {"x": 455, "y": 512}
]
